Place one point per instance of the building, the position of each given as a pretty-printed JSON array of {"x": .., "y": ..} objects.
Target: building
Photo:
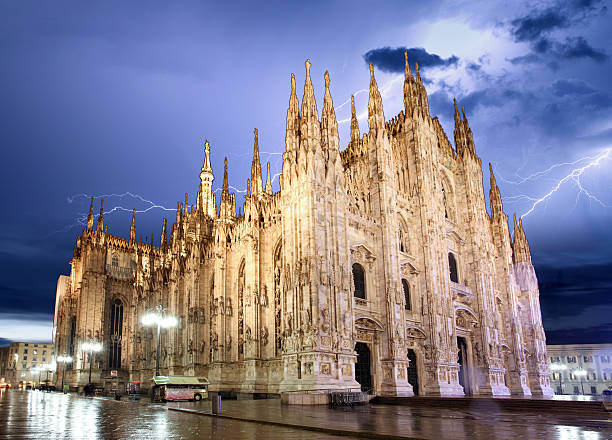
[
  {"x": 29, "y": 363},
  {"x": 4, "y": 363},
  {"x": 375, "y": 268},
  {"x": 580, "y": 369}
]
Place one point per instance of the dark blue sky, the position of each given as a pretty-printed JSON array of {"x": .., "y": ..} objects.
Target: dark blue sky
[{"x": 105, "y": 98}]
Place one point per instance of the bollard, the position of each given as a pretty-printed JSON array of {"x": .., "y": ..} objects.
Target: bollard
[{"x": 216, "y": 403}]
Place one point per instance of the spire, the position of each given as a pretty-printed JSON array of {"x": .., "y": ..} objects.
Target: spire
[
  {"x": 495, "y": 197},
  {"x": 354, "y": 123},
  {"x": 329, "y": 124},
  {"x": 293, "y": 119},
  {"x": 268, "y": 181},
  {"x": 225, "y": 189},
  {"x": 178, "y": 212},
  {"x": 164, "y": 236},
  {"x": 228, "y": 201},
  {"x": 457, "y": 117},
  {"x": 310, "y": 127},
  {"x": 376, "y": 117},
  {"x": 459, "y": 133},
  {"x": 90, "y": 216},
  {"x": 309, "y": 104},
  {"x": 206, "y": 198},
  {"x": 100, "y": 224},
  {"x": 407, "y": 71},
  {"x": 185, "y": 206},
  {"x": 418, "y": 75},
  {"x": 206, "y": 166},
  {"x": 256, "y": 181},
  {"x": 410, "y": 92},
  {"x": 133, "y": 227}
]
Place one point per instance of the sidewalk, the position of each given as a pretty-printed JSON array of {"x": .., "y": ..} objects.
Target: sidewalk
[{"x": 400, "y": 422}]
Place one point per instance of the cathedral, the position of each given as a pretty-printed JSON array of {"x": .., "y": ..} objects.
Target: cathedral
[{"x": 377, "y": 268}]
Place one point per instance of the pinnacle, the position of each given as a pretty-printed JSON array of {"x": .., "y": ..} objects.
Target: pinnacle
[{"x": 407, "y": 71}]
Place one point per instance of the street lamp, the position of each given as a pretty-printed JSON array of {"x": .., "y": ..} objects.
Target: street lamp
[
  {"x": 158, "y": 316},
  {"x": 39, "y": 371},
  {"x": 91, "y": 346},
  {"x": 581, "y": 374},
  {"x": 64, "y": 359},
  {"x": 559, "y": 368}
]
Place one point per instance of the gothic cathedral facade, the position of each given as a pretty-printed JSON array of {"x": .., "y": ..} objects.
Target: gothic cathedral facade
[{"x": 377, "y": 268}]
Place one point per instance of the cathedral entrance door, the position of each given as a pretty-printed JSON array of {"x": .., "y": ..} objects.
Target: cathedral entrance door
[
  {"x": 413, "y": 377},
  {"x": 363, "y": 373},
  {"x": 464, "y": 378}
]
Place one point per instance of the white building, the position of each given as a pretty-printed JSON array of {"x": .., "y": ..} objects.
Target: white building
[{"x": 580, "y": 369}]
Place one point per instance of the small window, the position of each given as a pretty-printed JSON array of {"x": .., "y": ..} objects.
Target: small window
[
  {"x": 452, "y": 267},
  {"x": 25, "y": 345},
  {"x": 406, "y": 288},
  {"x": 25, "y": 358},
  {"x": 23, "y": 366},
  {"x": 25, "y": 351},
  {"x": 115, "y": 261},
  {"x": 359, "y": 281}
]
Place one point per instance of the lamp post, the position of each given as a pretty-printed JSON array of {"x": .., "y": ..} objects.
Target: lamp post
[
  {"x": 64, "y": 359},
  {"x": 39, "y": 371},
  {"x": 559, "y": 368},
  {"x": 158, "y": 316},
  {"x": 581, "y": 373},
  {"x": 91, "y": 346}
]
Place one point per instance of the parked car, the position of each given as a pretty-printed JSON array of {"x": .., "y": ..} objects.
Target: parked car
[{"x": 607, "y": 393}]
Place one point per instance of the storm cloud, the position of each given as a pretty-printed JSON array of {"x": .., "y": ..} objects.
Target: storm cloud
[{"x": 389, "y": 59}]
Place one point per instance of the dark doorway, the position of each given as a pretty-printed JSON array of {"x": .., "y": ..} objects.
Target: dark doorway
[
  {"x": 363, "y": 373},
  {"x": 413, "y": 377},
  {"x": 464, "y": 378}
]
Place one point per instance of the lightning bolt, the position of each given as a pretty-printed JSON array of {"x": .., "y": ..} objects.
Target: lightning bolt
[
  {"x": 385, "y": 89},
  {"x": 581, "y": 166}
]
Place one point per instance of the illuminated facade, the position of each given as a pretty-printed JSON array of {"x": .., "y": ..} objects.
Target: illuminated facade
[
  {"x": 375, "y": 268},
  {"x": 580, "y": 369},
  {"x": 27, "y": 362}
]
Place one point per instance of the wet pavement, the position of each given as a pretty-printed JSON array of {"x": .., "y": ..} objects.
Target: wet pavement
[
  {"x": 34, "y": 414},
  {"x": 480, "y": 422},
  {"x": 39, "y": 415}
]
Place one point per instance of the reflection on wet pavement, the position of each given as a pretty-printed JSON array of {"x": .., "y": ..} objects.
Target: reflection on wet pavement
[
  {"x": 38, "y": 415},
  {"x": 34, "y": 414}
]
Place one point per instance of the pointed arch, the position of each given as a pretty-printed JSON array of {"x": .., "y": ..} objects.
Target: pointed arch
[{"x": 278, "y": 265}]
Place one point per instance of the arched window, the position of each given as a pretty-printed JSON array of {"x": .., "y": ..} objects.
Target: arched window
[
  {"x": 452, "y": 267},
  {"x": 277, "y": 299},
  {"x": 406, "y": 289},
  {"x": 71, "y": 340},
  {"x": 115, "y": 261},
  {"x": 241, "y": 285},
  {"x": 359, "y": 281},
  {"x": 116, "y": 330}
]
